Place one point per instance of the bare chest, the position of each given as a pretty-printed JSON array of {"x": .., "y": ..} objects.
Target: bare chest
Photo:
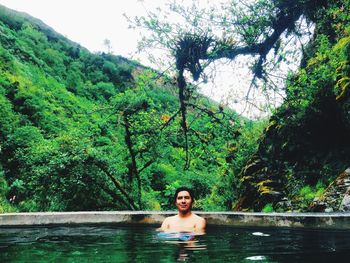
[{"x": 179, "y": 225}]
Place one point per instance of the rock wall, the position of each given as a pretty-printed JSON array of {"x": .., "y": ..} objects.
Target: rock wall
[
  {"x": 336, "y": 196},
  {"x": 308, "y": 138}
]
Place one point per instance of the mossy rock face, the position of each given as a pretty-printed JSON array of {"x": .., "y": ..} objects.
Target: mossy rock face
[
  {"x": 309, "y": 149},
  {"x": 332, "y": 199},
  {"x": 262, "y": 186},
  {"x": 307, "y": 140},
  {"x": 342, "y": 86},
  {"x": 344, "y": 114}
]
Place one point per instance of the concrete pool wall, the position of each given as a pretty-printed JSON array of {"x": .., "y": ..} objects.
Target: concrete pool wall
[{"x": 296, "y": 220}]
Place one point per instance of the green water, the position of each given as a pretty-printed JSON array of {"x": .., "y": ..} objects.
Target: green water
[{"x": 141, "y": 244}]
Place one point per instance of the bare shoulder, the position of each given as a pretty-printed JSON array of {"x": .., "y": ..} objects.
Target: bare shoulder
[
  {"x": 167, "y": 222},
  {"x": 171, "y": 218},
  {"x": 199, "y": 218},
  {"x": 200, "y": 221}
]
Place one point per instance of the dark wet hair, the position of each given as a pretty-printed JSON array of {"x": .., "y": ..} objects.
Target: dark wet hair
[{"x": 183, "y": 188}]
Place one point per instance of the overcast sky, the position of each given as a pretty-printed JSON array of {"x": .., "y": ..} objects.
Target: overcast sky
[{"x": 90, "y": 22}]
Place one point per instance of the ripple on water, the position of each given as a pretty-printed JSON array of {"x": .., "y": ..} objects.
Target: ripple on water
[
  {"x": 142, "y": 244},
  {"x": 260, "y": 234},
  {"x": 256, "y": 258}
]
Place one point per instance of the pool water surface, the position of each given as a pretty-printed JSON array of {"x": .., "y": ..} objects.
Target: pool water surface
[{"x": 143, "y": 244}]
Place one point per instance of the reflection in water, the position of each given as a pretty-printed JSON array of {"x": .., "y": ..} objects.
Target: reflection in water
[
  {"x": 187, "y": 248},
  {"x": 256, "y": 258},
  {"x": 260, "y": 234},
  {"x": 142, "y": 244},
  {"x": 186, "y": 243}
]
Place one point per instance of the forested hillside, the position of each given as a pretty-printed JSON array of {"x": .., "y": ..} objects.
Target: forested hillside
[
  {"x": 302, "y": 161},
  {"x": 83, "y": 131}
]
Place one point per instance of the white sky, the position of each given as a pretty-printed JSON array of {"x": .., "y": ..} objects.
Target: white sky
[{"x": 90, "y": 22}]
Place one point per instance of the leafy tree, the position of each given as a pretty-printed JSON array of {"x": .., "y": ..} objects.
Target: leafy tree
[
  {"x": 107, "y": 43},
  {"x": 205, "y": 35},
  {"x": 82, "y": 131}
]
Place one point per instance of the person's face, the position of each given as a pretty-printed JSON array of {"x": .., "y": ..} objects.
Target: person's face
[{"x": 183, "y": 201}]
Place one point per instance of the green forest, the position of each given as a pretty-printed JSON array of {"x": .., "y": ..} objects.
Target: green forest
[{"x": 82, "y": 131}]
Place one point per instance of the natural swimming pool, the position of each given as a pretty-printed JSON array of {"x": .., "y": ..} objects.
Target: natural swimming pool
[{"x": 111, "y": 243}]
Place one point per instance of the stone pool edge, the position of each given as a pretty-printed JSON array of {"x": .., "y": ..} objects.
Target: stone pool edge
[{"x": 241, "y": 219}]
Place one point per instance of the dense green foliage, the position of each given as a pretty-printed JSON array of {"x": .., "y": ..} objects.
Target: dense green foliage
[
  {"x": 82, "y": 131},
  {"x": 306, "y": 145}
]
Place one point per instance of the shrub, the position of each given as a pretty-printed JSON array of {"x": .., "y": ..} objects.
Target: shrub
[{"x": 268, "y": 208}]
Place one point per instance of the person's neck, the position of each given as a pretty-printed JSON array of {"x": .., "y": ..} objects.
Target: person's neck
[{"x": 185, "y": 214}]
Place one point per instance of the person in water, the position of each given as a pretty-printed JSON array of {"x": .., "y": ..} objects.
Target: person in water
[{"x": 185, "y": 220}]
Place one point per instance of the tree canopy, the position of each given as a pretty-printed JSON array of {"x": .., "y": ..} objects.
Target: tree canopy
[
  {"x": 197, "y": 34},
  {"x": 83, "y": 131}
]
